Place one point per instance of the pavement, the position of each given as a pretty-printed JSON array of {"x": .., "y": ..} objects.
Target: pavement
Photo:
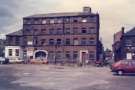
[{"x": 56, "y": 77}]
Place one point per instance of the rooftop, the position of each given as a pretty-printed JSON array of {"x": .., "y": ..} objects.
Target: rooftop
[
  {"x": 60, "y": 14},
  {"x": 86, "y": 11},
  {"x": 130, "y": 33},
  {"x": 16, "y": 33}
]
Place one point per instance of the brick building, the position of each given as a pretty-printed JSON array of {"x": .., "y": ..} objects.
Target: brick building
[
  {"x": 124, "y": 45},
  {"x": 57, "y": 37}
]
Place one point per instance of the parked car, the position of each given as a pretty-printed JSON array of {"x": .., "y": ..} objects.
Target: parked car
[
  {"x": 4, "y": 60},
  {"x": 123, "y": 66}
]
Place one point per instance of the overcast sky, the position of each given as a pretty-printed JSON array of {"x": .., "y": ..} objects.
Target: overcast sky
[{"x": 113, "y": 13}]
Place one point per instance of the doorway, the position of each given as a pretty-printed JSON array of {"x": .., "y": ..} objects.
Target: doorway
[
  {"x": 40, "y": 55},
  {"x": 83, "y": 57}
]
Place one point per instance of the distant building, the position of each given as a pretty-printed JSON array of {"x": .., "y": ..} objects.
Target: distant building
[
  {"x": 57, "y": 37},
  {"x": 108, "y": 55},
  {"x": 2, "y": 47},
  {"x": 124, "y": 45}
]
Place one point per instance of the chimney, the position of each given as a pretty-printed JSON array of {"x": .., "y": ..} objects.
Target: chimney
[
  {"x": 86, "y": 9},
  {"x": 123, "y": 29}
]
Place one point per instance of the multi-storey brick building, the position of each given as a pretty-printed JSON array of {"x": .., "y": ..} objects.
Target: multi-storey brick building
[
  {"x": 124, "y": 45},
  {"x": 58, "y": 37}
]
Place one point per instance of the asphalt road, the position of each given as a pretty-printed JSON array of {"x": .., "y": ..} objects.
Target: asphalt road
[{"x": 50, "y": 77}]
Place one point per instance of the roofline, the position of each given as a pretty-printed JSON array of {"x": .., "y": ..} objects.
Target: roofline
[{"x": 79, "y": 14}]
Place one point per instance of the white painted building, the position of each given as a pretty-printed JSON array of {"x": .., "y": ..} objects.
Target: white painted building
[{"x": 14, "y": 53}]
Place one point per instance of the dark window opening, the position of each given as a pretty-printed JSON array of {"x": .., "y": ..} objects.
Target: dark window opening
[
  {"x": 43, "y": 41},
  {"x": 83, "y": 41},
  {"x": 10, "y": 52},
  {"x": 59, "y": 41},
  {"x": 51, "y": 42},
  {"x": 75, "y": 55},
  {"x": 17, "y": 52},
  {"x": 67, "y": 41},
  {"x": 51, "y": 31},
  {"x": 68, "y": 56}
]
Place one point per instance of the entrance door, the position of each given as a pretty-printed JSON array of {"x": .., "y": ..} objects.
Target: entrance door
[
  {"x": 40, "y": 55},
  {"x": 84, "y": 57}
]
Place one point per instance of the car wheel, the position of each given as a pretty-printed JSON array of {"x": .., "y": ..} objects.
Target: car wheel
[{"x": 120, "y": 72}]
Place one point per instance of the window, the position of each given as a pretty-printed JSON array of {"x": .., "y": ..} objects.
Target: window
[
  {"x": 68, "y": 56},
  {"x": 84, "y": 20},
  {"x": 10, "y": 38},
  {"x": 75, "y": 30},
  {"x": 27, "y": 31},
  {"x": 10, "y": 52},
  {"x": 128, "y": 42},
  {"x": 92, "y": 30},
  {"x": 67, "y": 41},
  {"x": 36, "y": 21},
  {"x": 16, "y": 52},
  {"x": 92, "y": 19},
  {"x": 75, "y": 55},
  {"x": 51, "y": 42},
  {"x": 27, "y": 21},
  {"x": 83, "y": 41},
  {"x": 43, "y": 41},
  {"x": 59, "y": 41},
  {"x": 44, "y": 21},
  {"x": 75, "y": 20},
  {"x": 35, "y": 31},
  {"x": 67, "y": 31},
  {"x": 51, "y": 55},
  {"x": 52, "y": 21},
  {"x": 67, "y": 20},
  {"x": 59, "y": 31},
  {"x": 35, "y": 40},
  {"x": 76, "y": 41},
  {"x": 92, "y": 55},
  {"x": 30, "y": 43},
  {"x": 51, "y": 31},
  {"x": 84, "y": 30},
  {"x": 59, "y": 21},
  {"x": 92, "y": 41},
  {"x": 43, "y": 30},
  {"x": 58, "y": 55},
  {"x": 17, "y": 40}
]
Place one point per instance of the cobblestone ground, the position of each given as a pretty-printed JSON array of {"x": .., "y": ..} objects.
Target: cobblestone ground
[{"x": 51, "y": 77}]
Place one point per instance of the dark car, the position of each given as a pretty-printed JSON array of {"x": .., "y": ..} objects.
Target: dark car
[
  {"x": 4, "y": 60},
  {"x": 123, "y": 66}
]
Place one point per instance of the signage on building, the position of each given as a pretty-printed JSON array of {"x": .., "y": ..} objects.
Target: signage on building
[
  {"x": 30, "y": 51},
  {"x": 30, "y": 43},
  {"x": 129, "y": 55}
]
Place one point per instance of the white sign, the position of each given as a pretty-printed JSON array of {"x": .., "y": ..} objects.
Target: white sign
[
  {"x": 29, "y": 53},
  {"x": 129, "y": 55},
  {"x": 30, "y": 43}
]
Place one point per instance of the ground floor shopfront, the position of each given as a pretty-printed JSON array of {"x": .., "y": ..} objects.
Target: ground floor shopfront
[{"x": 68, "y": 54}]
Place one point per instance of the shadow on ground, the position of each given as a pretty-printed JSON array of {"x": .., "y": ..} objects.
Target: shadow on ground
[{"x": 7, "y": 77}]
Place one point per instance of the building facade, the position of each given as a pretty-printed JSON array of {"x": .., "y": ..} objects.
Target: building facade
[
  {"x": 2, "y": 46},
  {"x": 58, "y": 37},
  {"x": 13, "y": 46},
  {"x": 124, "y": 45}
]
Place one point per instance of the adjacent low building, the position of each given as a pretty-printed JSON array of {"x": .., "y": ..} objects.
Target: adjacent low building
[
  {"x": 13, "y": 48},
  {"x": 57, "y": 37},
  {"x": 2, "y": 46},
  {"x": 124, "y": 45}
]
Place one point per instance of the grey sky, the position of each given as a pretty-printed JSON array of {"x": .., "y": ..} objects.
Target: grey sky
[{"x": 113, "y": 13}]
